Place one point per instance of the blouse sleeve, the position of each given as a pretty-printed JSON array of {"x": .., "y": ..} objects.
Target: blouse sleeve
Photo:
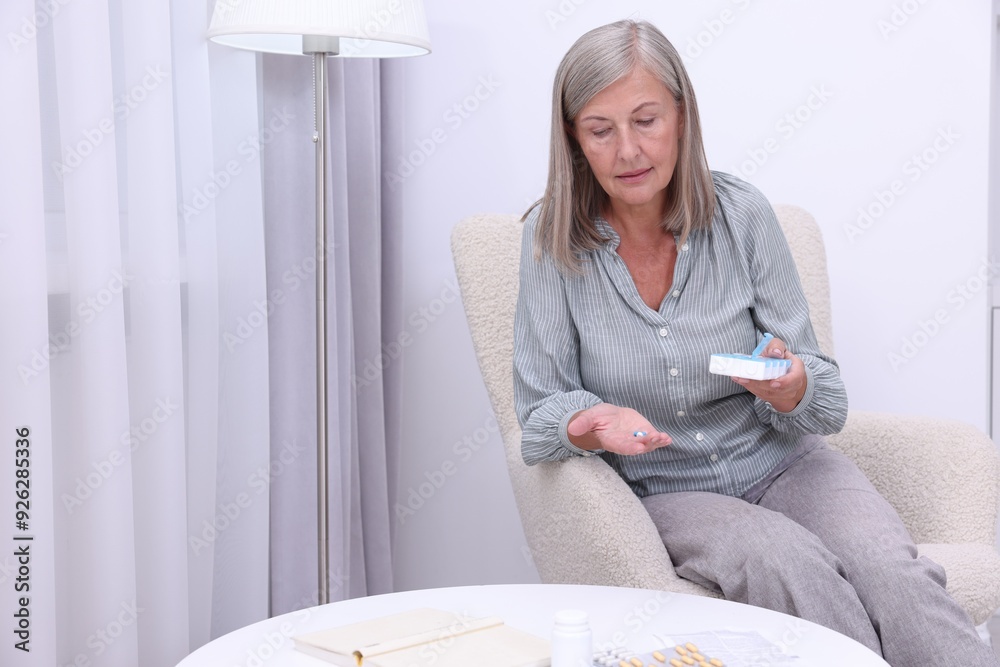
[
  {"x": 547, "y": 386},
  {"x": 780, "y": 308}
]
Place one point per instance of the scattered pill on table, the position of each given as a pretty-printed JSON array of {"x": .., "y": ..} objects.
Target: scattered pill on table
[
  {"x": 687, "y": 660},
  {"x": 636, "y": 661},
  {"x": 676, "y": 663},
  {"x": 659, "y": 656},
  {"x": 680, "y": 649},
  {"x": 699, "y": 657},
  {"x": 691, "y": 647},
  {"x": 715, "y": 662}
]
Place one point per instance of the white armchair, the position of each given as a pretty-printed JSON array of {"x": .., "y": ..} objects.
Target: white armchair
[{"x": 585, "y": 526}]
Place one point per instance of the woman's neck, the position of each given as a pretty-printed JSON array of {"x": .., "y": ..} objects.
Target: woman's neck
[{"x": 637, "y": 224}]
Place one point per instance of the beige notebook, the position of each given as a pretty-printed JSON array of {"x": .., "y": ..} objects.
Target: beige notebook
[{"x": 426, "y": 637}]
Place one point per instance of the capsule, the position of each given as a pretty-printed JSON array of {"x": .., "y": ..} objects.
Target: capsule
[
  {"x": 680, "y": 649},
  {"x": 687, "y": 660},
  {"x": 659, "y": 656},
  {"x": 691, "y": 647},
  {"x": 637, "y": 662},
  {"x": 699, "y": 657},
  {"x": 715, "y": 662},
  {"x": 674, "y": 662}
]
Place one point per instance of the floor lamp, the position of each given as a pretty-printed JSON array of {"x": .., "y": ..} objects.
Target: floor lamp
[{"x": 321, "y": 28}]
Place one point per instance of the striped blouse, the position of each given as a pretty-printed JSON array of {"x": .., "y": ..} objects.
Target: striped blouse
[{"x": 587, "y": 339}]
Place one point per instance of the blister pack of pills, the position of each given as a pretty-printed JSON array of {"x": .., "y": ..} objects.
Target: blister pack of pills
[{"x": 681, "y": 655}]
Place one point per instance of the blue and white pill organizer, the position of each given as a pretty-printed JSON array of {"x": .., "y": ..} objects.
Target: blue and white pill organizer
[{"x": 750, "y": 366}]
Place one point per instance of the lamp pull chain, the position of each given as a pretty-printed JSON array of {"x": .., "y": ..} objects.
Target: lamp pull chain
[{"x": 315, "y": 93}]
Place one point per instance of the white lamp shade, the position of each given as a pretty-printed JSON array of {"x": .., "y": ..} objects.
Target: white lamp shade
[{"x": 366, "y": 28}]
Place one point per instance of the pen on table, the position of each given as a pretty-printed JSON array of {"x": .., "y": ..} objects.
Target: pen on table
[{"x": 761, "y": 345}]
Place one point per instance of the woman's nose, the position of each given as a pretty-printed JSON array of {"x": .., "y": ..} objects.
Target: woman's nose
[{"x": 628, "y": 144}]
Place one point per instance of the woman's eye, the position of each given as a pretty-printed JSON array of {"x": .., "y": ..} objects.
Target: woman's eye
[
  {"x": 645, "y": 122},
  {"x": 602, "y": 133}
]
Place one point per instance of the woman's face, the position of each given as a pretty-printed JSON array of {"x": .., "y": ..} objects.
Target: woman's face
[{"x": 629, "y": 134}]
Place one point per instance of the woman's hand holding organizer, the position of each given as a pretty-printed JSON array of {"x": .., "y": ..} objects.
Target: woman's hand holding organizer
[
  {"x": 770, "y": 372},
  {"x": 753, "y": 366}
]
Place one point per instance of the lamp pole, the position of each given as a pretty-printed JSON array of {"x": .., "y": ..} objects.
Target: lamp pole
[
  {"x": 320, "y": 47},
  {"x": 369, "y": 29}
]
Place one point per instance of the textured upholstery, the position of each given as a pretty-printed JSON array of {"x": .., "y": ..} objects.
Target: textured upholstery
[{"x": 585, "y": 526}]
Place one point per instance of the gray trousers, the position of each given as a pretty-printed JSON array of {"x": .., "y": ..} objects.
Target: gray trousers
[{"x": 816, "y": 540}]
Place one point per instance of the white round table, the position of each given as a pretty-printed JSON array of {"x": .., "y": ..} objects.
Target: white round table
[{"x": 627, "y": 617}]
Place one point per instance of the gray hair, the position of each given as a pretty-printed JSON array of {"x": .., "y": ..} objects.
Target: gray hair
[{"x": 573, "y": 196}]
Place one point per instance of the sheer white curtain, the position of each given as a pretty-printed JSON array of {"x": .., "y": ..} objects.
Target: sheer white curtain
[
  {"x": 132, "y": 347},
  {"x": 157, "y": 365}
]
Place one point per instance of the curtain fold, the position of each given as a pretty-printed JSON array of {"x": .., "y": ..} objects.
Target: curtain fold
[
  {"x": 25, "y": 398},
  {"x": 364, "y": 442},
  {"x": 90, "y": 390},
  {"x": 153, "y": 349}
]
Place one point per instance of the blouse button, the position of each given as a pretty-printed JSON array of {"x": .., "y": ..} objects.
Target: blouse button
[
  {"x": 680, "y": 413},
  {"x": 674, "y": 372},
  {"x": 663, "y": 331},
  {"x": 699, "y": 437},
  {"x": 677, "y": 293},
  {"x": 684, "y": 247},
  {"x": 713, "y": 458}
]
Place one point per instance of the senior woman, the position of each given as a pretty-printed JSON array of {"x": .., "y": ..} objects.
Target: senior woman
[{"x": 637, "y": 265}]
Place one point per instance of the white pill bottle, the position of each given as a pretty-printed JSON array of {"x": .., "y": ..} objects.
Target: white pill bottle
[{"x": 572, "y": 644}]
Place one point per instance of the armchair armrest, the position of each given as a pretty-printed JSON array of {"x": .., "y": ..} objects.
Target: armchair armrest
[
  {"x": 585, "y": 526},
  {"x": 940, "y": 475}
]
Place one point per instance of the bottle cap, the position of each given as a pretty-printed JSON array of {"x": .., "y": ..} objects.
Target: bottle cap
[{"x": 572, "y": 618}]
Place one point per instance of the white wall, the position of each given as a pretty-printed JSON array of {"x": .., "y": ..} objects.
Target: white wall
[{"x": 890, "y": 95}]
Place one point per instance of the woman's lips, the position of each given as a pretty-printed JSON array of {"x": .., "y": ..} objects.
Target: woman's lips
[{"x": 634, "y": 176}]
